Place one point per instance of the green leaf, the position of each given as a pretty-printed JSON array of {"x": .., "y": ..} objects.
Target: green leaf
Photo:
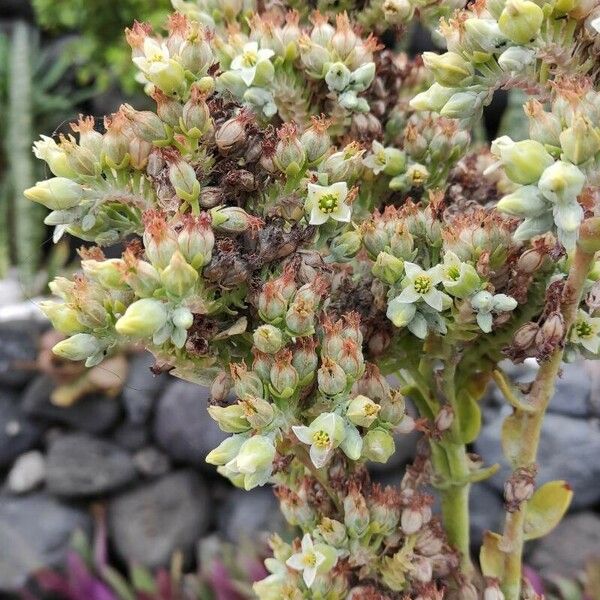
[
  {"x": 491, "y": 557},
  {"x": 117, "y": 583},
  {"x": 142, "y": 579},
  {"x": 469, "y": 418},
  {"x": 546, "y": 508},
  {"x": 513, "y": 431},
  {"x": 483, "y": 474}
]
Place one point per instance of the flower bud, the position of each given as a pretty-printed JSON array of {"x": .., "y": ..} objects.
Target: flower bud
[
  {"x": 345, "y": 246},
  {"x": 492, "y": 592},
  {"x": 246, "y": 382},
  {"x": 179, "y": 277},
  {"x": 300, "y": 317},
  {"x": 183, "y": 178},
  {"x": 503, "y": 303},
  {"x": 256, "y": 454},
  {"x": 268, "y": 339},
  {"x": 315, "y": 140},
  {"x": 333, "y": 532},
  {"x": 230, "y": 419},
  {"x": 432, "y": 99},
  {"x": 521, "y": 21},
  {"x": 362, "y": 78},
  {"x": 54, "y": 155},
  {"x": 449, "y": 69},
  {"x": 463, "y": 105},
  {"x": 182, "y": 317},
  {"x": 362, "y": 411},
  {"x": 196, "y": 241},
  {"x": 397, "y": 12},
  {"x": 145, "y": 124},
  {"x": 393, "y": 408},
  {"x": 444, "y": 419},
  {"x": 289, "y": 153},
  {"x": 524, "y": 161},
  {"x": 195, "y": 116},
  {"x": 142, "y": 318},
  {"x": 231, "y": 219},
  {"x": 57, "y": 193},
  {"x": 525, "y": 336},
  {"x": 331, "y": 377},
  {"x": 78, "y": 347},
  {"x": 258, "y": 411},
  {"x": 552, "y": 331},
  {"x": 108, "y": 272},
  {"x": 378, "y": 445},
  {"x": 226, "y": 451},
  {"x": 62, "y": 316},
  {"x": 230, "y": 134},
  {"x": 580, "y": 141},
  {"x": 519, "y": 488},
  {"x": 516, "y": 58},
  {"x": 561, "y": 182},
  {"x": 284, "y": 378},
  {"x": 143, "y": 279},
  {"x": 422, "y": 569},
  {"x": 356, "y": 513},
  {"x": 388, "y": 268},
  {"x": 337, "y": 77},
  {"x": 530, "y": 261},
  {"x": 526, "y": 201},
  {"x": 400, "y": 313}
]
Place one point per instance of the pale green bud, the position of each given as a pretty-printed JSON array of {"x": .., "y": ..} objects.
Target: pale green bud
[
  {"x": 483, "y": 301},
  {"x": 63, "y": 318},
  {"x": 400, "y": 313},
  {"x": 516, "y": 58},
  {"x": 108, "y": 273},
  {"x": 462, "y": 105},
  {"x": 230, "y": 219},
  {"x": 483, "y": 34},
  {"x": 345, "y": 246},
  {"x": 232, "y": 82},
  {"x": 226, "y": 451},
  {"x": 581, "y": 141},
  {"x": 561, "y": 182},
  {"x": 378, "y": 445},
  {"x": 503, "y": 303},
  {"x": 524, "y": 161},
  {"x": 521, "y": 21},
  {"x": 256, "y": 454},
  {"x": 363, "y": 411},
  {"x": 258, "y": 411},
  {"x": 182, "y": 317},
  {"x": 78, "y": 347},
  {"x": 395, "y": 162},
  {"x": 230, "y": 419},
  {"x": 460, "y": 279},
  {"x": 145, "y": 280},
  {"x": 388, "y": 268},
  {"x": 142, "y": 318},
  {"x": 356, "y": 513},
  {"x": 397, "y": 12},
  {"x": 526, "y": 201},
  {"x": 449, "y": 69},
  {"x": 268, "y": 339},
  {"x": 57, "y": 193},
  {"x": 183, "y": 178},
  {"x": 169, "y": 78},
  {"x": 362, "y": 78},
  {"x": 337, "y": 77},
  {"x": 432, "y": 99},
  {"x": 393, "y": 408},
  {"x": 179, "y": 277},
  {"x": 332, "y": 531}
]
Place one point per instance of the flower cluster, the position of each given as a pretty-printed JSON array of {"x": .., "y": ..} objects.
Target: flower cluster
[{"x": 299, "y": 224}]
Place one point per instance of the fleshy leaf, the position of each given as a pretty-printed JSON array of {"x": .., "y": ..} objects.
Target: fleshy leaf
[
  {"x": 491, "y": 556},
  {"x": 546, "y": 509}
]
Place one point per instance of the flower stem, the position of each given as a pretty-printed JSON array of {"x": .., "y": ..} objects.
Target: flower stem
[{"x": 540, "y": 396}]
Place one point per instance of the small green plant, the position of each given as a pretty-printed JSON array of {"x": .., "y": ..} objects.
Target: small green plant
[{"x": 306, "y": 214}]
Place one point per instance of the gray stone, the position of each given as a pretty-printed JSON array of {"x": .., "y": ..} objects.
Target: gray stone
[
  {"x": 566, "y": 550},
  {"x": 151, "y": 462},
  {"x": 35, "y": 531},
  {"x": 94, "y": 413},
  {"x": 569, "y": 450},
  {"x": 141, "y": 388},
  {"x": 18, "y": 352},
  {"x": 80, "y": 465},
  {"x": 250, "y": 515},
  {"x": 27, "y": 473},
  {"x": 574, "y": 395},
  {"x": 486, "y": 509},
  {"x": 131, "y": 436},
  {"x": 18, "y": 433},
  {"x": 182, "y": 426},
  {"x": 149, "y": 523}
]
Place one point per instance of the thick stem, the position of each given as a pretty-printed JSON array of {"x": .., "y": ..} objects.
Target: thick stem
[
  {"x": 455, "y": 507},
  {"x": 540, "y": 396}
]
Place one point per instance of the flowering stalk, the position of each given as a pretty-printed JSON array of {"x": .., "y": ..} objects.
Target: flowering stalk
[{"x": 530, "y": 422}]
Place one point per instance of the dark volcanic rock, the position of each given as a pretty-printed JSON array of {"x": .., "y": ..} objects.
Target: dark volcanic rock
[
  {"x": 18, "y": 352},
  {"x": 80, "y": 465},
  {"x": 182, "y": 426},
  {"x": 18, "y": 433},
  {"x": 35, "y": 531},
  {"x": 94, "y": 413},
  {"x": 141, "y": 388},
  {"x": 149, "y": 523}
]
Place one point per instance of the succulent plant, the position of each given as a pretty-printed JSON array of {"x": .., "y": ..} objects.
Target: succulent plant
[{"x": 297, "y": 252}]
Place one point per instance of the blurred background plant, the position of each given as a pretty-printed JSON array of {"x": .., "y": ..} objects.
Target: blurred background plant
[{"x": 103, "y": 57}]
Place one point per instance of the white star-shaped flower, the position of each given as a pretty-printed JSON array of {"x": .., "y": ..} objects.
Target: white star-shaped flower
[
  {"x": 328, "y": 201},
  {"x": 420, "y": 285},
  {"x": 246, "y": 62},
  {"x": 586, "y": 332},
  {"x": 308, "y": 560}
]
